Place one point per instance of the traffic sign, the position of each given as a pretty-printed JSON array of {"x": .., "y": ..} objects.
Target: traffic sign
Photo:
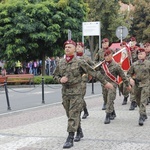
[{"x": 121, "y": 32}]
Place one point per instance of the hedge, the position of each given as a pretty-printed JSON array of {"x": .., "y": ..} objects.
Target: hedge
[{"x": 47, "y": 80}]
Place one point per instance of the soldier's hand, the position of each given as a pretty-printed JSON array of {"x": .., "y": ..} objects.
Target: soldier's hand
[
  {"x": 108, "y": 86},
  {"x": 132, "y": 82},
  {"x": 63, "y": 79},
  {"x": 129, "y": 88}
]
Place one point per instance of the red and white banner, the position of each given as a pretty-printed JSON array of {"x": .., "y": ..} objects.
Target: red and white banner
[{"x": 122, "y": 58}]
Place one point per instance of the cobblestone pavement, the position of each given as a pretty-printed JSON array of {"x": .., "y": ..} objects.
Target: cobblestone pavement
[{"x": 45, "y": 129}]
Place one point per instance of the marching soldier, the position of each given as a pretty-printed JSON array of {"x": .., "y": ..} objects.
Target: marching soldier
[
  {"x": 133, "y": 58},
  {"x": 69, "y": 73},
  {"x": 111, "y": 70},
  {"x": 147, "y": 50},
  {"x": 100, "y": 57},
  {"x": 139, "y": 74},
  {"x": 100, "y": 54},
  {"x": 122, "y": 86},
  {"x": 80, "y": 54}
]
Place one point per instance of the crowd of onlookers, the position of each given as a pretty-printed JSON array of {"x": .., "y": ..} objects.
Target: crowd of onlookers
[{"x": 31, "y": 67}]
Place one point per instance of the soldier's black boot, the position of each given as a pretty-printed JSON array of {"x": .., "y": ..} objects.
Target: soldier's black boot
[
  {"x": 145, "y": 117},
  {"x": 113, "y": 115},
  {"x": 125, "y": 100},
  {"x": 149, "y": 100},
  {"x": 135, "y": 104},
  {"x": 69, "y": 141},
  {"x": 141, "y": 120},
  {"x": 132, "y": 106},
  {"x": 85, "y": 113},
  {"x": 104, "y": 106},
  {"x": 107, "y": 119},
  {"x": 79, "y": 135}
]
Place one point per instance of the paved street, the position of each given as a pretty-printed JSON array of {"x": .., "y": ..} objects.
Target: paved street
[
  {"x": 25, "y": 97},
  {"x": 44, "y": 128}
]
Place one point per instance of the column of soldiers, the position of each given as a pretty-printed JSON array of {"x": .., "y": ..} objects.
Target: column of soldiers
[{"x": 73, "y": 70}]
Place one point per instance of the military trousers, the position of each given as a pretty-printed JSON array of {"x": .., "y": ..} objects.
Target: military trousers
[
  {"x": 83, "y": 84},
  {"x": 132, "y": 95},
  {"x": 110, "y": 96},
  {"x": 104, "y": 92},
  {"x": 141, "y": 95},
  {"x": 73, "y": 105},
  {"x": 123, "y": 89}
]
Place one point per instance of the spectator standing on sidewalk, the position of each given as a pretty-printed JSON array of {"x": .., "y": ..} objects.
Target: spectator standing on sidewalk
[{"x": 69, "y": 73}]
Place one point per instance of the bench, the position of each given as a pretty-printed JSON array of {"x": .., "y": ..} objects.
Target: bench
[
  {"x": 2, "y": 80},
  {"x": 20, "y": 78}
]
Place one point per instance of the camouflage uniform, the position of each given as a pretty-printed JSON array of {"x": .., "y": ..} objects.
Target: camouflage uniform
[
  {"x": 84, "y": 80},
  {"x": 110, "y": 94},
  {"x": 71, "y": 91},
  {"x": 134, "y": 58},
  {"x": 148, "y": 58},
  {"x": 140, "y": 72},
  {"x": 99, "y": 57}
]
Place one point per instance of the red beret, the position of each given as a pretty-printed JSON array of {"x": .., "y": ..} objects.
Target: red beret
[
  {"x": 107, "y": 52},
  {"x": 123, "y": 43},
  {"x": 105, "y": 40},
  {"x": 70, "y": 42},
  {"x": 133, "y": 39},
  {"x": 146, "y": 44},
  {"x": 80, "y": 43},
  {"x": 140, "y": 50}
]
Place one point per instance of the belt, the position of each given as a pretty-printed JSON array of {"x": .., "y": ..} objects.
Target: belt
[
  {"x": 137, "y": 81},
  {"x": 72, "y": 85}
]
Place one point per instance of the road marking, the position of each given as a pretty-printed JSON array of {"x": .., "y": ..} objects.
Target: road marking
[
  {"x": 45, "y": 92},
  {"x": 86, "y": 97}
]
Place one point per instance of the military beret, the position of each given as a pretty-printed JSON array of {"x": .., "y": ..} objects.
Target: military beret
[
  {"x": 107, "y": 52},
  {"x": 70, "y": 42},
  {"x": 146, "y": 44},
  {"x": 105, "y": 40},
  {"x": 133, "y": 39},
  {"x": 80, "y": 43},
  {"x": 123, "y": 43},
  {"x": 140, "y": 50}
]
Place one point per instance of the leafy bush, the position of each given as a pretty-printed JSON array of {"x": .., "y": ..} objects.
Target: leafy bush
[{"x": 47, "y": 80}]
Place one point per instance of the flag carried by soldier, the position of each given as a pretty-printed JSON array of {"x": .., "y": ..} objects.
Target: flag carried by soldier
[{"x": 122, "y": 57}]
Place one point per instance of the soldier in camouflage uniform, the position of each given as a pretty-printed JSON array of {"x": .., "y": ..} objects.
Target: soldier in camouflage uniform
[
  {"x": 69, "y": 73},
  {"x": 100, "y": 54},
  {"x": 147, "y": 50},
  {"x": 111, "y": 70},
  {"x": 122, "y": 86},
  {"x": 99, "y": 57},
  {"x": 80, "y": 54},
  {"x": 139, "y": 74},
  {"x": 133, "y": 58}
]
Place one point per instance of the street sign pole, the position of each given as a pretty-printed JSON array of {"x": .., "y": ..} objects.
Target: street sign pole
[
  {"x": 69, "y": 34},
  {"x": 121, "y": 34}
]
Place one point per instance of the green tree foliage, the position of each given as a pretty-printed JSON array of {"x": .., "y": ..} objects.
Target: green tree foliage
[
  {"x": 110, "y": 17},
  {"x": 70, "y": 15},
  {"x": 141, "y": 21},
  {"x": 27, "y": 30},
  {"x": 31, "y": 29}
]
